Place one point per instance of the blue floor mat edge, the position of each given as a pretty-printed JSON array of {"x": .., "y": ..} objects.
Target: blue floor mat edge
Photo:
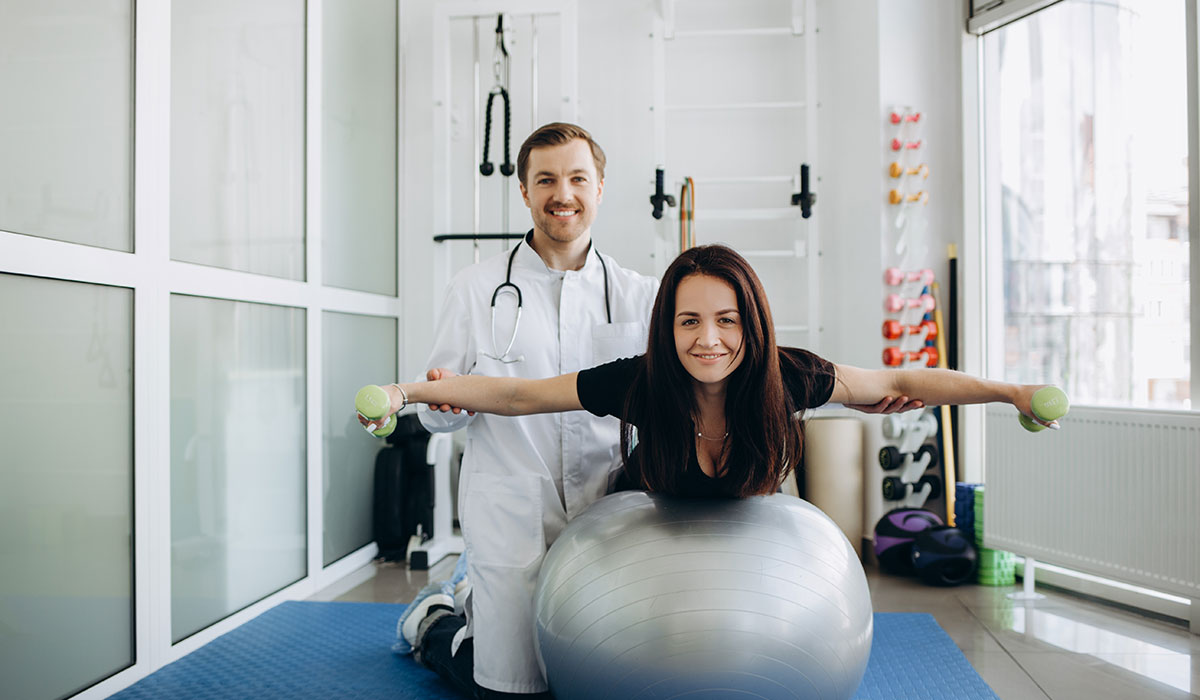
[{"x": 309, "y": 650}]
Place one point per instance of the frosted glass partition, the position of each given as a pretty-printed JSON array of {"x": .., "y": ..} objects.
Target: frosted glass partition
[
  {"x": 66, "y": 125},
  {"x": 357, "y": 350},
  {"x": 238, "y": 517},
  {"x": 237, "y": 135},
  {"x": 66, "y": 485},
  {"x": 359, "y": 146}
]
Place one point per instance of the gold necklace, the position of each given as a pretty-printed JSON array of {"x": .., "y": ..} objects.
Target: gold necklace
[{"x": 702, "y": 436}]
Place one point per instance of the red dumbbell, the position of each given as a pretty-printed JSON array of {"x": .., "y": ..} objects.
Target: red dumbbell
[
  {"x": 897, "y": 117},
  {"x": 895, "y": 302},
  {"x": 894, "y": 357},
  {"x": 897, "y": 144},
  {"x": 893, "y": 329},
  {"x": 894, "y": 275}
]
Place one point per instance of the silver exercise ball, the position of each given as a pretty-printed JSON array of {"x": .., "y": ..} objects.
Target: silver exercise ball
[{"x": 646, "y": 596}]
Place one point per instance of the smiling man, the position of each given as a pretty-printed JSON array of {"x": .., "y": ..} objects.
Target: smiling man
[{"x": 550, "y": 305}]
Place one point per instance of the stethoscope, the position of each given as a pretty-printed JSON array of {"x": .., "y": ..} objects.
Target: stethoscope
[{"x": 510, "y": 287}]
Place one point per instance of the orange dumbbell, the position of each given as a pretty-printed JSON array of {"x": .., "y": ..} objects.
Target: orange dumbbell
[
  {"x": 897, "y": 197},
  {"x": 896, "y": 170},
  {"x": 893, "y": 329},
  {"x": 894, "y": 357}
]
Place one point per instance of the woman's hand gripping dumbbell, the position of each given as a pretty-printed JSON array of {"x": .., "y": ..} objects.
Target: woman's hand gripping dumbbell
[
  {"x": 1047, "y": 404},
  {"x": 374, "y": 404}
]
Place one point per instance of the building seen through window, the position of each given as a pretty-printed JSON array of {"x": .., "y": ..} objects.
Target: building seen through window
[{"x": 1086, "y": 187}]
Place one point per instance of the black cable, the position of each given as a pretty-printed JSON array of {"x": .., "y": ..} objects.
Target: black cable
[
  {"x": 607, "y": 309},
  {"x": 506, "y": 168},
  {"x": 485, "y": 167}
]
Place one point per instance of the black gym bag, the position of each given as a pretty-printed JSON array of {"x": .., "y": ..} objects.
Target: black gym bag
[{"x": 403, "y": 489}]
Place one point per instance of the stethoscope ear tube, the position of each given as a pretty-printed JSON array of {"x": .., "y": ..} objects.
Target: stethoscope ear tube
[
  {"x": 501, "y": 287},
  {"x": 509, "y": 284}
]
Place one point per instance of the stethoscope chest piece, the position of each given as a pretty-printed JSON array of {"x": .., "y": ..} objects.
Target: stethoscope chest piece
[{"x": 506, "y": 287}]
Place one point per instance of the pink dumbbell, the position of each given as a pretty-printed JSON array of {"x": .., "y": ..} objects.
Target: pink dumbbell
[
  {"x": 895, "y": 302},
  {"x": 896, "y": 117},
  {"x": 897, "y": 144},
  {"x": 894, "y": 276}
]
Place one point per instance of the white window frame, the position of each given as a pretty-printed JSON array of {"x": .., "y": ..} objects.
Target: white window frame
[
  {"x": 154, "y": 277},
  {"x": 978, "y": 326}
]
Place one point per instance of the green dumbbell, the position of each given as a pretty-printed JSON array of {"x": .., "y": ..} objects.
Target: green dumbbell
[
  {"x": 373, "y": 403},
  {"x": 1049, "y": 403}
]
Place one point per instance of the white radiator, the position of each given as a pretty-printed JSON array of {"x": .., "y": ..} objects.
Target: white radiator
[{"x": 1115, "y": 493}]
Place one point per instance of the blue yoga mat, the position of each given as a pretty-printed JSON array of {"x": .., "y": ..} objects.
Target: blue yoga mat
[{"x": 306, "y": 650}]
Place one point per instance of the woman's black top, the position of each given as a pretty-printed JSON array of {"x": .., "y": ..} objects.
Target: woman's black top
[{"x": 808, "y": 379}]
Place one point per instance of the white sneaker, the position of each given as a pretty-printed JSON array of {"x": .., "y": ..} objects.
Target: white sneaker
[{"x": 438, "y": 593}]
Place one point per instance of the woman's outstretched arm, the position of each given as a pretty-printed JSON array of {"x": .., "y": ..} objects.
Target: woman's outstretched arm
[
  {"x": 933, "y": 387},
  {"x": 506, "y": 396}
]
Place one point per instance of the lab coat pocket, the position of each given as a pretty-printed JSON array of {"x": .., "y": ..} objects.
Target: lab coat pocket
[
  {"x": 504, "y": 519},
  {"x": 612, "y": 341}
]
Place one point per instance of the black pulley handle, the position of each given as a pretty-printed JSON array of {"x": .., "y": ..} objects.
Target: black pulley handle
[
  {"x": 659, "y": 198},
  {"x": 506, "y": 168},
  {"x": 805, "y": 198},
  {"x": 485, "y": 166}
]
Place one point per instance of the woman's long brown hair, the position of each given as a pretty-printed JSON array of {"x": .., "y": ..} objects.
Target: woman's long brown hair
[{"x": 764, "y": 442}]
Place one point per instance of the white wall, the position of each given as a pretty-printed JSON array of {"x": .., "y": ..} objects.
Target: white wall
[
  {"x": 920, "y": 52},
  {"x": 849, "y": 194},
  {"x": 871, "y": 53},
  {"x": 615, "y": 95},
  {"x": 416, "y": 185}
]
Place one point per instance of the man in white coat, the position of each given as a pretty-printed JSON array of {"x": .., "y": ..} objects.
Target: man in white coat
[{"x": 553, "y": 304}]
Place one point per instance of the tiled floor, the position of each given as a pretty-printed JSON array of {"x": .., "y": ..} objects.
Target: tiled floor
[{"x": 1062, "y": 647}]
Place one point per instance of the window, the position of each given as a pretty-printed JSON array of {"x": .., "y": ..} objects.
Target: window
[{"x": 1086, "y": 200}]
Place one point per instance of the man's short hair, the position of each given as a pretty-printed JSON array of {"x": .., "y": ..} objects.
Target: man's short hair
[{"x": 558, "y": 134}]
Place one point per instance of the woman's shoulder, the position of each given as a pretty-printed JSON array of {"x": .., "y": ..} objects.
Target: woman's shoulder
[
  {"x": 799, "y": 359},
  {"x": 619, "y": 366},
  {"x": 808, "y": 376},
  {"x": 603, "y": 388}
]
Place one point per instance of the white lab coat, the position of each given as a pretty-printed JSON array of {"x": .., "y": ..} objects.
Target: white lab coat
[{"x": 524, "y": 477}]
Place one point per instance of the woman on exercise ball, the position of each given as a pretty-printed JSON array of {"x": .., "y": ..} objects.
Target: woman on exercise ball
[{"x": 713, "y": 400}]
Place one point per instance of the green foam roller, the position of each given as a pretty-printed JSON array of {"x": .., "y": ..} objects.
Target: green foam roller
[
  {"x": 1049, "y": 403},
  {"x": 996, "y": 567},
  {"x": 995, "y": 558},
  {"x": 373, "y": 402}
]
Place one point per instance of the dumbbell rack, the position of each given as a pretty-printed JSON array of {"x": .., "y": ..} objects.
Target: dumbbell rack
[{"x": 908, "y": 458}]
